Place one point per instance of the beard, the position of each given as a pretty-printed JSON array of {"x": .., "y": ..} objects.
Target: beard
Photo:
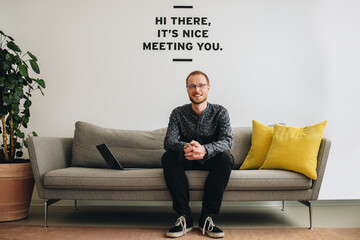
[{"x": 199, "y": 100}]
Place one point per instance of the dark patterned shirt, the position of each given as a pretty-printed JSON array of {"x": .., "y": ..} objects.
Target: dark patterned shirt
[{"x": 212, "y": 129}]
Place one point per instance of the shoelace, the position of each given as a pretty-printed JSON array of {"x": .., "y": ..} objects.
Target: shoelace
[
  {"x": 210, "y": 226},
  {"x": 181, "y": 221}
]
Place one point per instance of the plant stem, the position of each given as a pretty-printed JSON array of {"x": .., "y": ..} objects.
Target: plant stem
[
  {"x": 12, "y": 144},
  {"x": 6, "y": 154}
]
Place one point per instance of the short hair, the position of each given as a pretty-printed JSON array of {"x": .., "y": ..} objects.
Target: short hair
[{"x": 197, "y": 73}]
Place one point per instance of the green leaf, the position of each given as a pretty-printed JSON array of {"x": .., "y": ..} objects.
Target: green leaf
[
  {"x": 32, "y": 56},
  {"x": 15, "y": 108},
  {"x": 26, "y": 112},
  {"x": 6, "y": 100},
  {"x": 23, "y": 70},
  {"x": 35, "y": 66},
  {"x": 15, "y": 99},
  {"x": 13, "y": 46},
  {"x": 19, "y": 92},
  {"x": 18, "y": 60},
  {"x": 10, "y": 84},
  {"x": 17, "y": 118},
  {"x": 6, "y": 36},
  {"x": 41, "y": 82},
  {"x": 5, "y": 67},
  {"x": 34, "y": 134},
  {"x": 9, "y": 57},
  {"x": 20, "y": 134},
  {"x": 27, "y": 103},
  {"x": 26, "y": 121}
]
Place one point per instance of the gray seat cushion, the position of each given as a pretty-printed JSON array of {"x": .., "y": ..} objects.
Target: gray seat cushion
[
  {"x": 268, "y": 180},
  {"x": 76, "y": 178}
]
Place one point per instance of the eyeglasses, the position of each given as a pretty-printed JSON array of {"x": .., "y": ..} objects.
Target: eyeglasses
[{"x": 193, "y": 86}]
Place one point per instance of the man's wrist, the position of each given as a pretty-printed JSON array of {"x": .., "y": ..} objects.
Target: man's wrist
[{"x": 204, "y": 150}]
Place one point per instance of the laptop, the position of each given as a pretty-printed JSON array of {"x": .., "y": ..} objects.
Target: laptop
[{"x": 109, "y": 157}]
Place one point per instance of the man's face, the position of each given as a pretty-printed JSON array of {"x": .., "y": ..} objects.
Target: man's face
[{"x": 197, "y": 95}]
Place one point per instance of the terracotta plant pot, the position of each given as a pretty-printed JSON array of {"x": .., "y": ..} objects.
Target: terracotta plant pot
[{"x": 16, "y": 187}]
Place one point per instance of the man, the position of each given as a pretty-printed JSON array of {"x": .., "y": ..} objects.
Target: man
[{"x": 198, "y": 137}]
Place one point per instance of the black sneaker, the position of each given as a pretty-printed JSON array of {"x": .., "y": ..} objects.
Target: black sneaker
[
  {"x": 182, "y": 226},
  {"x": 210, "y": 229}
]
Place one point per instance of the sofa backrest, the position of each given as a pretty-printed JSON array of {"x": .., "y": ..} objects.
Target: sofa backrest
[
  {"x": 136, "y": 148},
  {"x": 242, "y": 144},
  {"x": 133, "y": 148}
]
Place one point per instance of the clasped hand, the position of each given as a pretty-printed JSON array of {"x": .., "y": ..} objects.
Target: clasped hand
[{"x": 194, "y": 151}]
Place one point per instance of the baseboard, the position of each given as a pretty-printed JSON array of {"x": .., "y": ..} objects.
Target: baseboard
[{"x": 354, "y": 202}]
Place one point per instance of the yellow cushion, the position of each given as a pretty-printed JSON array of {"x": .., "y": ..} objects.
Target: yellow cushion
[
  {"x": 260, "y": 144},
  {"x": 295, "y": 149}
]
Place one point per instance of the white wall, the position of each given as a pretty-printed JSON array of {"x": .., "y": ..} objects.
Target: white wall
[{"x": 286, "y": 61}]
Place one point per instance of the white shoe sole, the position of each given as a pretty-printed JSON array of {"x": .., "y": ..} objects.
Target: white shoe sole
[
  {"x": 215, "y": 235},
  {"x": 178, "y": 234}
]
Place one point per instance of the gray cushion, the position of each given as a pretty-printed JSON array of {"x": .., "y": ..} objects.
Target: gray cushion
[
  {"x": 153, "y": 179},
  {"x": 242, "y": 144},
  {"x": 105, "y": 179},
  {"x": 268, "y": 180},
  {"x": 133, "y": 148},
  {"x": 136, "y": 148}
]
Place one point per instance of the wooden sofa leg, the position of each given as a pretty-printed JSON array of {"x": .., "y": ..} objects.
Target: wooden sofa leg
[
  {"x": 47, "y": 204},
  {"x": 309, "y": 205}
]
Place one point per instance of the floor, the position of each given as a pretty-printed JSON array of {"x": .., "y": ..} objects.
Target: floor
[{"x": 160, "y": 215}]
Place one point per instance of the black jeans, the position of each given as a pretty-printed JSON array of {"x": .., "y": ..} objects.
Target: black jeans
[{"x": 219, "y": 168}]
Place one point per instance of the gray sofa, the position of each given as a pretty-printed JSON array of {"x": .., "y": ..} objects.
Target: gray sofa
[{"x": 72, "y": 169}]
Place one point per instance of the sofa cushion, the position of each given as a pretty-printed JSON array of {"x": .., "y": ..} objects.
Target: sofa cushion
[
  {"x": 260, "y": 144},
  {"x": 295, "y": 149},
  {"x": 133, "y": 148},
  {"x": 76, "y": 178},
  {"x": 267, "y": 180},
  {"x": 242, "y": 143}
]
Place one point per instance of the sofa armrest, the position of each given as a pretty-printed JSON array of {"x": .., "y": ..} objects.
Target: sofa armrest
[
  {"x": 47, "y": 154},
  {"x": 321, "y": 165}
]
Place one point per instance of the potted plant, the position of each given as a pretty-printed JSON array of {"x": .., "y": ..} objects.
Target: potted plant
[{"x": 16, "y": 87}]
